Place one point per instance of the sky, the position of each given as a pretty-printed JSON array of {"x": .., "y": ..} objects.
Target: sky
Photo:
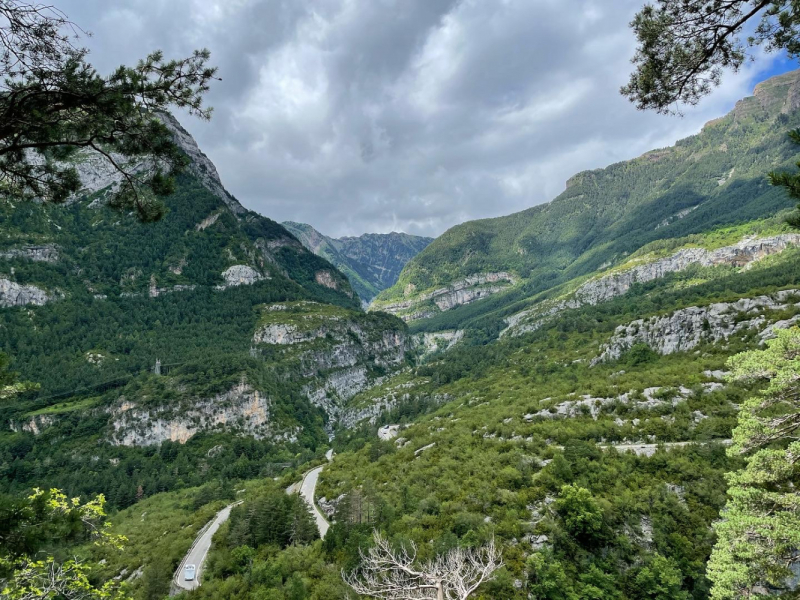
[{"x": 361, "y": 116}]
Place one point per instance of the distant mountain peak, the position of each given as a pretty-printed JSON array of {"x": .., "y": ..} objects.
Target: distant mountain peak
[{"x": 372, "y": 261}]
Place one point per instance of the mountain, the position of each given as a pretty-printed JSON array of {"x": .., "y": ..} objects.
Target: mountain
[
  {"x": 563, "y": 389},
  {"x": 214, "y": 321},
  {"x": 708, "y": 180},
  {"x": 372, "y": 262}
]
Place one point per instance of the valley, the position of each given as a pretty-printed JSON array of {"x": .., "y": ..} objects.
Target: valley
[{"x": 557, "y": 381}]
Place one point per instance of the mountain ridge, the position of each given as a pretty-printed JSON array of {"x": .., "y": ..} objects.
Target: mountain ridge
[
  {"x": 371, "y": 261},
  {"x": 706, "y": 180}
]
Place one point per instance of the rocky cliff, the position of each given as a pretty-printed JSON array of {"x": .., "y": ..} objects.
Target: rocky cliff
[
  {"x": 242, "y": 410},
  {"x": 333, "y": 353},
  {"x": 619, "y": 282},
  {"x": 686, "y": 328},
  {"x": 459, "y": 293},
  {"x": 14, "y": 294}
]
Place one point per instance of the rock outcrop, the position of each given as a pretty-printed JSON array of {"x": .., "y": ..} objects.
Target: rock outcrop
[
  {"x": 684, "y": 329},
  {"x": 610, "y": 286},
  {"x": 35, "y": 424},
  {"x": 461, "y": 292},
  {"x": 15, "y": 294},
  {"x": 737, "y": 255},
  {"x": 325, "y": 279},
  {"x": 439, "y": 341},
  {"x": 44, "y": 253},
  {"x": 241, "y": 409},
  {"x": 334, "y": 352},
  {"x": 240, "y": 275}
]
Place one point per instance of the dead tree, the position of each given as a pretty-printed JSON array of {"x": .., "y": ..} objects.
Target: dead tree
[{"x": 390, "y": 574}]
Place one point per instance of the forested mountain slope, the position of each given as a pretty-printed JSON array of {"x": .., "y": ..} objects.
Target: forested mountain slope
[
  {"x": 212, "y": 321},
  {"x": 714, "y": 178},
  {"x": 372, "y": 262}
]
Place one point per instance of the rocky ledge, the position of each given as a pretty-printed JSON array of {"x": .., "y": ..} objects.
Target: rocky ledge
[
  {"x": 461, "y": 292},
  {"x": 44, "y": 253},
  {"x": 610, "y": 286},
  {"x": 684, "y": 329},
  {"x": 15, "y": 294},
  {"x": 335, "y": 353},
  {"x": 240, "y": 409}
]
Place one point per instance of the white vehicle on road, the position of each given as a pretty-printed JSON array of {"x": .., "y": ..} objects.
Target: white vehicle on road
[{"x": 188, "y": 572}]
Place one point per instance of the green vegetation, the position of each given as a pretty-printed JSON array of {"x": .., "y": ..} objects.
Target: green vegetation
[
  {"x": 372, "y": 262},
  {"x": 684, "y": 47},
  {"x": 597, "y": 479},
  {"x": 760, "y": 532},
  {"x": 712, "y": 180},
  {"x": 54, "y": 103},
  {"x": 37, "y": 534}
]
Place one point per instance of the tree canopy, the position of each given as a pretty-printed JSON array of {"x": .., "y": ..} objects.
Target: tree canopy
[
  {"x": 53, "y": 104},
  {"x": 759, "y": 533},
  {"x": 684, "y": 45}
]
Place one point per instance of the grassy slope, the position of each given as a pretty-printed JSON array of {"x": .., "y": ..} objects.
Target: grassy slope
[{"x": 606, "y": 214}]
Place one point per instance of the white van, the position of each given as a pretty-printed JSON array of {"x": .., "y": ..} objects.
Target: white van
[{"x": 188, "y": 572}]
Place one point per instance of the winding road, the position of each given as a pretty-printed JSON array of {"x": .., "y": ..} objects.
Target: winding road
[
  {"x": 199, "y": 550},
  {"x": 202, "y": 543},
  {"x": 307, "y": 490}
]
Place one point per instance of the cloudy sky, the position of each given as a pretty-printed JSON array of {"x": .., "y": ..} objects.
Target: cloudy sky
[{"x": 404, "y": 115}]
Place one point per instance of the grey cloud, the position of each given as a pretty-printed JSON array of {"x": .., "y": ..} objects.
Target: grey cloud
[{"x": 415, "y": 115}]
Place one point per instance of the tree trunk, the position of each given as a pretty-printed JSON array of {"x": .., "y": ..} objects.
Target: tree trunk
[{"x": 439, "y": 591}]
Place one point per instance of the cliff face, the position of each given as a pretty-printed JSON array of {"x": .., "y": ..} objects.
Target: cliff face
[
  {"x": 684, "y": 329},
  {"x": 334, "y": 353},
  {"x": 607, "y": 287},
  {"x": 737, "y": 255},
  {"x": 14, "y": 294},
  {"x": 242, "y": 410},
  {"x": 459, "y": 293}
]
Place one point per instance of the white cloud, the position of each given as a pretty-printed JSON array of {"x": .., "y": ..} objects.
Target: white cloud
[{"x": 379, "y": 115}]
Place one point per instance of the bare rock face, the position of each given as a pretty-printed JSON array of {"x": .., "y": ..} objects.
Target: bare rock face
[
  {"x": 286, "y": 334},
  {"x": 34, "y": 425},
  {"x": 738, "y": 255},
  {"x": 207, "y": 222},
  {"x": 44, "y": 253},
  {"x": 324, "y": 278},
  {"x": 686, "y": 328},
  {"x": 461, "y": 292},
  {"x": 439, "y": 341},
  {"x": 241, "y": 409},
  {"x": 610, "y": 286},
  {"x": 240, "y": 275},
  {"x": 15, "y": 294},
  {"x": 200, "y": 163},
  {"x": 335, "y": 351}
]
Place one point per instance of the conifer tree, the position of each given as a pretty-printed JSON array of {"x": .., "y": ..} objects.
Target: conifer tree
[{"x": 759, "y": 533}]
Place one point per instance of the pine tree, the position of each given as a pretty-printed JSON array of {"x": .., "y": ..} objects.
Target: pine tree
[{"x": 759, "y": 533}]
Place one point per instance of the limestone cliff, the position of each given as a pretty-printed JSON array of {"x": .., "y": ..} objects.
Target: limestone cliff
[
  {"x": 242, "y": 409},
  {"x": 684, "y": 329},
  {"x": 334, "y": 352},
  {"x": 605, "y": 287},
  {"x": 15, "y": 294},
  {"x": 461, "y": 292}
]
